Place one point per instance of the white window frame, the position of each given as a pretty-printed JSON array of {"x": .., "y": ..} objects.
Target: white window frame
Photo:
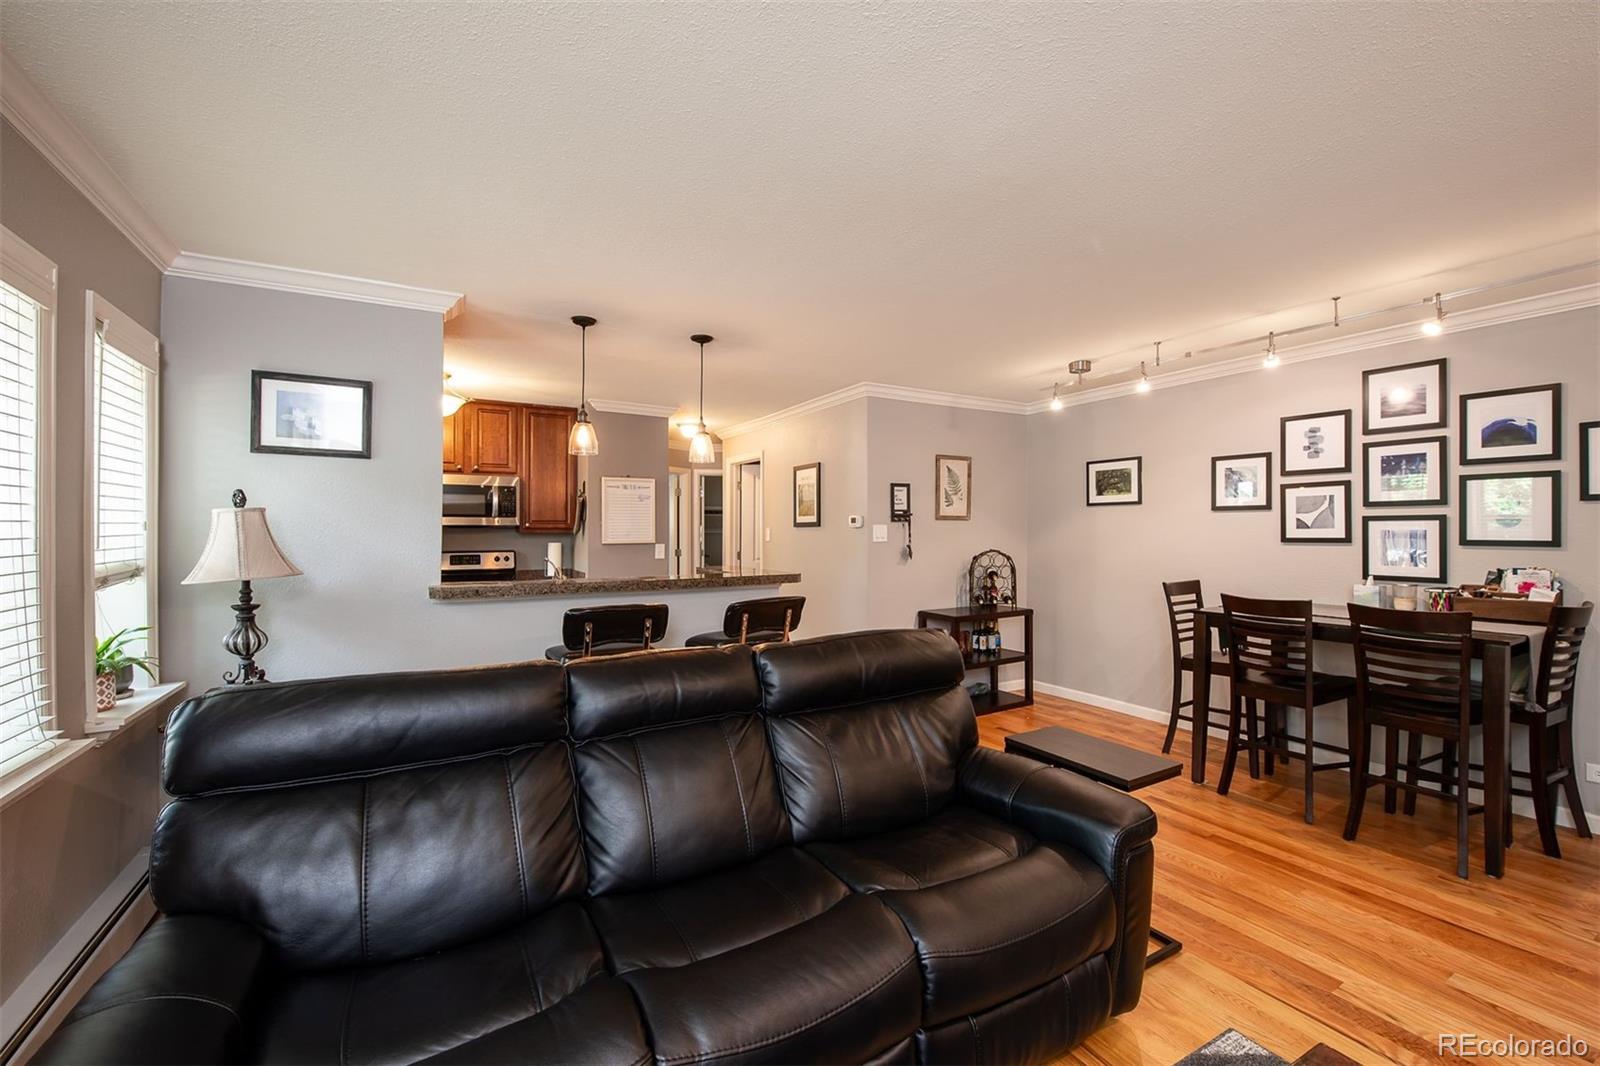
[
  {"x": 142, "y": 346},
  {"x": 31, "y": 272}
]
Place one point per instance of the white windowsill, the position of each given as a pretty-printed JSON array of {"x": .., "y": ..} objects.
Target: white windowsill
[{"x": 137, "y": 705}]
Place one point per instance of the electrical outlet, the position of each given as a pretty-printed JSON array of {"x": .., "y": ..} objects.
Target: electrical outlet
[{"x": 1591, "y": 772}]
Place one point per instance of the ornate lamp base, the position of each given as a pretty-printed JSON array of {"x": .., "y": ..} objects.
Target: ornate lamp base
[{"x": 245, "y": 641}]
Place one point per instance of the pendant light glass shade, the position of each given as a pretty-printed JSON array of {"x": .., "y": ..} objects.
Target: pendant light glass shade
[
  {"x": 701, "y": 451},
  {"x": 450, "y": 400},
  {"x": 583, "y": 440}
]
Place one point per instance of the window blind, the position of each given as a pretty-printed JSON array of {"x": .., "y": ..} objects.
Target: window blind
[
  {"x": 121, "y": 425},
  {"x": 26, "y": 716}
]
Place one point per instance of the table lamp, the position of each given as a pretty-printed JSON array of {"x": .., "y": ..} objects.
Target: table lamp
[{"x": 240, "y": 548}]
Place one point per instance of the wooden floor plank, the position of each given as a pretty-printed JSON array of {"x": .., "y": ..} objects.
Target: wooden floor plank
[{"x": 1294, "y": 936}]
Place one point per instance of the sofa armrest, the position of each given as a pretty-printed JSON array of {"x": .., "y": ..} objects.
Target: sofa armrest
[
  {"x": 1109, "y": 827},
  {"x": 177, "y": 996}
]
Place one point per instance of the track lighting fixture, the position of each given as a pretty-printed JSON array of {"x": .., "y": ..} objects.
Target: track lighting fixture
[
  {"x": 1144, "y": 379},
  {"x": 1078, "y": 368},
  {"x": 1335, "y": 312},
  {"x": 1271, "y": 359},
  {"x": 1435, "y": 325},
  {"x": 1056, "y": 402}
]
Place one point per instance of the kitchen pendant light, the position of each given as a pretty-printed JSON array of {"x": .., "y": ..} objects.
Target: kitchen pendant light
[
  {"x": 450, "y": 400},
  {"x": 583, "y": 440},
  {"x": 701, "y": 450}
]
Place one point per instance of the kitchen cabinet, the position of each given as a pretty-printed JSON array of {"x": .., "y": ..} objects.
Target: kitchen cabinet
[
  {"x": 454, "y": 453},
  {"x": 493, "y": 437},
  {"x": 549, "y": 474}
]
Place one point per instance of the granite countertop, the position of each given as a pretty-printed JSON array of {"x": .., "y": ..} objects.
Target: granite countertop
[{"x": 531, "y": 583}]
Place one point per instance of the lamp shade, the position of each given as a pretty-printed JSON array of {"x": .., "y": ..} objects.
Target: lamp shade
[{"x": 240, "y": 547}]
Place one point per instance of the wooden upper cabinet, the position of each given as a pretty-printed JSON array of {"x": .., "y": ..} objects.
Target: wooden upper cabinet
[
  {"x": 493, "y": 437},
  {"x": 454, "y": 453},
  {"x": 549, "y": 474}
]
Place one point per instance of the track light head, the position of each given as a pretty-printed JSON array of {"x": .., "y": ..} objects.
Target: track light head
[
  {"x": 1144, "y": 380},
  {"x": 1435, "y": 325},
  {"x": 1271, "y": 359},
  {"x": 1056, "y": 402}
]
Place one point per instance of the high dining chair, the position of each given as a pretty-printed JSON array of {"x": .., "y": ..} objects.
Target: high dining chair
[
  {"x": 1270, "y": 660},
  {"x": 754, "y": 622},
  {"x": 1545, "y": 709},
  {"x": 1184, "y": 601},
  {"x": 609, "y": 630},
  {"x": 1413, "y": 673}
]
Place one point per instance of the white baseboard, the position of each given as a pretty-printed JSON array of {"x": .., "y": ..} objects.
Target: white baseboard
[
  {"x": 1519, "y": 804},
  {"x": 43, "y": 987}
]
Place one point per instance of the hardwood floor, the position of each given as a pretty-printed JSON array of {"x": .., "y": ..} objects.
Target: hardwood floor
[{"x": 1295, "y": 937}]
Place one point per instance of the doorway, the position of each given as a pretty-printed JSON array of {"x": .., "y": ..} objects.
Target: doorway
[
  {"x": 707, "y": 553},
  {"x": 748, "y": 513},
  {"x": 680, "y": 527}
]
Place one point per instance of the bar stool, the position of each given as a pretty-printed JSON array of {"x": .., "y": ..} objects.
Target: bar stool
[
  {"x": 1269, "y": 659},
  {"x": 754, "y": 622},
  {"x": 1413, "y": 673},
  {"x": 1184, "y": 600},
  {"x": 610, "y": 630}
]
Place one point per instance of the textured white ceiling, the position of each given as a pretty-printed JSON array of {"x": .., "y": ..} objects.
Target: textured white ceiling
[{"x": 953, "y": 196}]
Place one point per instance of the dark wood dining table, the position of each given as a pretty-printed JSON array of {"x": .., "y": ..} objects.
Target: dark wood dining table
[{"x": 1492, "y": 642}]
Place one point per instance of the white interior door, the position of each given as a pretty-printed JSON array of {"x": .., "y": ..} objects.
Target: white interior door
[{"x": 749, "y": 492}]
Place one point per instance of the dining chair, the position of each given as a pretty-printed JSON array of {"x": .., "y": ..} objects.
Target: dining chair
[
  {"x": 1184, "y": 601},
  {"x": 609, "y": 630},
  {"x": 1270, "y": 660},
  {"x": 1544, "y": 708},
  {"x": 1413, "y": 673}
]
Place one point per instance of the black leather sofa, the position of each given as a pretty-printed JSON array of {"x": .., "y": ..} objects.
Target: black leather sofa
[{"x": 793, "y": 853}]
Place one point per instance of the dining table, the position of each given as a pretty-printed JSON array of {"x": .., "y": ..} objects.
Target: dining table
[{"x": 1493, "y": 644}]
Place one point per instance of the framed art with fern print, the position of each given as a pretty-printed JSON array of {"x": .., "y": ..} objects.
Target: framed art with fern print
[{"x": 952, "y": 488}]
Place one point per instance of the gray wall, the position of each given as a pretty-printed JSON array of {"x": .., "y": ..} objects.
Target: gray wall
[
  {"x": 63, "y": 843},
  {"x": 1095, "y": 573},
  {"x": 630, "y": 446}
]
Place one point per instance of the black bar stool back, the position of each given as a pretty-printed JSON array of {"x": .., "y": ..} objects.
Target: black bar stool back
[
  {"x": 622, "y": 627},
  {"x": 762, "y": 621}
]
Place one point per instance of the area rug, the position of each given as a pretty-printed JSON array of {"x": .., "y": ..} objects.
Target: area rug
[{"x": 1231, "y": 1048}]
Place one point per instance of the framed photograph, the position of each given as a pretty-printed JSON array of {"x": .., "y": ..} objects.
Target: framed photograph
[
  {"x": 1404, "y": 547},
  {"x": 952, "y": 492},
  {"x": 1511, "y": 425},
  {"x": 1404, "y": 472},
  {"x": 1514, "y": 510},
  {"x": 1314, "y": 444},
  {"x": 1316, "y": 512},
  {"x": 1397, "y": 398},
  {"x": 1589, "y": 460},
  {"x": 808, "y": 495},
  {"x": 299, "y": 414},
  {"x": 1241, "y": 482},
  {"x": 1114, "y": 481}
]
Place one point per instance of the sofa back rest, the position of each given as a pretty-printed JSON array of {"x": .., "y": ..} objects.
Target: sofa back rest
[
  {"x": 674, "y": 774},
  {"x": 866, "y": 728},
  {"x": 369, "y": 819}
]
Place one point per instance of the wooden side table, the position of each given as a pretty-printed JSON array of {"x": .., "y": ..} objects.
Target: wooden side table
[{"x": 959, "y": 620}]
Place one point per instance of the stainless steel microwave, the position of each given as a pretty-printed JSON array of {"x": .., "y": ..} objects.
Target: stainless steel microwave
[{"x": 482, "y": 500}]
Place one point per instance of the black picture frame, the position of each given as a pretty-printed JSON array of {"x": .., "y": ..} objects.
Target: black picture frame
[
  {"x": 811, "y": 523},
  {"x": 1266, "y": 494},
  {"x": 257, "y": 377},
  {"x": 1587, "y": 459},
  {"x": 1283, "y": 443},
  {"x": 1465, "y": 427},
  {"x": 1283, "y": 512},
  {"x": 1137, "y": 462},
  {"x": 1442, "y": 440},
  {"x": 1554, "y": 477},
  {"x": 1367, "y": 428},
  {"x": 1441, "y": 538},
  {"x": 897, "y": 491}
]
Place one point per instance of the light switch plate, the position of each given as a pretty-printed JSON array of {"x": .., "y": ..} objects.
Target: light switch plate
[
  {"x": 769, "y": 534},
  {"x": 880, "y": 534},
  {"x": 661, "y": 551},
  {"x": 1592, "y": 771}
]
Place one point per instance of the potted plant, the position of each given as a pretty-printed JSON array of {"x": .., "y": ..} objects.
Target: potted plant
[{"x": 113, "y": 666}]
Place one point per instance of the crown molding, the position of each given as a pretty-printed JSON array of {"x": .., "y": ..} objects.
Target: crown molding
[
  {"x": 862, "y": 390},
  {"x": 1551, "y": 303},
  {"x": 315, "y": 283},
  {"x": 626, "y": 407},
  {"x": 70, "y": 152}
]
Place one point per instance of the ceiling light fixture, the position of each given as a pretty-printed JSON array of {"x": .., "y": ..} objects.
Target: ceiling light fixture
[
  {"x": 1335, "y": 312},
  {"x": 1078, "y": 368},
  {"x": 701, "y": 450},
  {"x": 450, "y": 400},
  {"x": 687, "y": 428},
  {"x": 1271, "y": 359},
  {"x": 583, "y": 440},
  {"x": 1056, "y": 402},
  {"x": 1144, "y": 379},
  {"x": 1435, "y": 325}
]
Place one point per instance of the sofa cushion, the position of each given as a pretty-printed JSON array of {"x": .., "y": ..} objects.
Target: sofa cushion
[
  {"x": 841, "y": 987},
  {"x": 992, "y": 911},
  {"x": 405, "y": 1011},
  {"x": 675, "y": 775},
  {"x": 598, "y": 1025},
  {"x": 1037, "y": 1026},
  {"x": 706, "y": 916},
  {"x": 377, "y": 868}
]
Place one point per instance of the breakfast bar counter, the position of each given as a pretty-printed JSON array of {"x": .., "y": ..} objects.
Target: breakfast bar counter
[{"x": 531, "y": 584}]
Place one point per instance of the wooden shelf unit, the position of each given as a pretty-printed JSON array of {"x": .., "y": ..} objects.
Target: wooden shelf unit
[{"x": 959, "y": 621}]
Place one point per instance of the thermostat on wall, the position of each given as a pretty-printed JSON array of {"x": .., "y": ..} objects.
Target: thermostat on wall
[{"x": 856, "y": 521}]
